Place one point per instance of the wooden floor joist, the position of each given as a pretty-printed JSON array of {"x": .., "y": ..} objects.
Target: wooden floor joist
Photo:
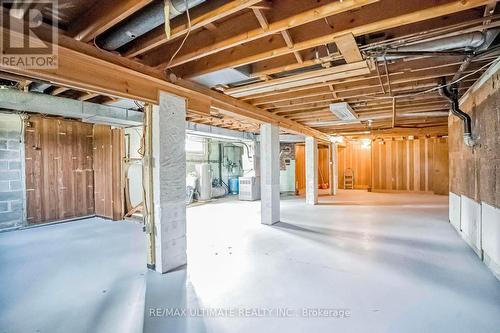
[
  {"x": 102, "y": 16},
  {"x": 202, "y": 16},
  {"x": 240, "y": 63},
  {"x": 203, "y": 45},
  {"x": 375, "y": 17},
  {"x": 111, "y": 77}
]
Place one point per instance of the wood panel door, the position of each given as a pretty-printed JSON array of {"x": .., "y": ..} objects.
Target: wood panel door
[
  {"x": 59, "y": 169},
  {"x": 109, "y": 179}
]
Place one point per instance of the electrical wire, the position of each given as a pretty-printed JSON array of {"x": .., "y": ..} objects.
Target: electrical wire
[
  {"x": 439, "y": 86},
  {"x": 141, "y": 107},
  {"x": 185, "y": 37}
]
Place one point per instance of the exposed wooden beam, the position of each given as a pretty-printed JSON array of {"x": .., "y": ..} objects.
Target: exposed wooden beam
[
  {"x": 262, "y": 6},
  {"x": 103, "y": 15},
  {"x": 414, "y": 111},
  {"x": 376, "y": 17},
  {"x": 59, "y": 90},
  {"x": 334, "y": 94},
  {"x": 211, "y": 27},
  {"x": 436, "y": 105},
  {"x": 400, "y": 72},
  {"x": 261, "y": 18},
  {"x": 87, "y": 96},
  {"x": 202, "y": 45},
  {"x": 412, "y": 131},
  {"x": 393, "y": 112},
  {"x": 289, "y": 43},
  {"x": 348, "y": 48},
  {"x": 120, "y": 77},
  {"x": 458, "y": 23},
  {"x": 333, "y": 73},
  {"x": 355, "y": 104},
  {"x": 24, "y": 85},
  {"x": 110, "y": 100},
  {"x": 364, "y": 93},
  {"x": 203, "y": 15}
]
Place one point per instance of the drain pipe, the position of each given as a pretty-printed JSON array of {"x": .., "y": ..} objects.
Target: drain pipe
[{"x": 451, "y": 93}]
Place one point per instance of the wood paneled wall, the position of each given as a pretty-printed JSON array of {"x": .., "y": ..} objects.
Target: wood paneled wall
[
  {"x": 108, "y": 160},
  {"x": 411, "y": 165},
  {"x": 300, "y": 167},
  {"x": 59, "y": 169},
  {"x": 357, "y": 158},
  {"x": 324, "y": 165},
  {"x": 397, "y": 165}
]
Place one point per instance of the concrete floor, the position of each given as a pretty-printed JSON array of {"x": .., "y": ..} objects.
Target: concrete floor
[
  {"x": 391, "y": 260},
  {"x": 80, "y": 276}
]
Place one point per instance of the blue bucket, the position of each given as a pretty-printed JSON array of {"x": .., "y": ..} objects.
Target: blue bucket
[{"x": 234, "y": 186}]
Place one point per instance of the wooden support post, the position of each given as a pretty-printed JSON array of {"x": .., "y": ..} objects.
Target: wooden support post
[
  {"x": 147, "y": 179},
  {"x": 393, "y": 112}
]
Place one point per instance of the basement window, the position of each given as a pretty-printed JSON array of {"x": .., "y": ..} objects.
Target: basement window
[{"x": 194, "y": 145}]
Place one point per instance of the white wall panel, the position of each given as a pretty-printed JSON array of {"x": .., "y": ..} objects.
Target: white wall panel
[
  {"x": 490, "y": 224},
  {"x": 470, "y": 221},
  {"x": 454, "y": 210}
]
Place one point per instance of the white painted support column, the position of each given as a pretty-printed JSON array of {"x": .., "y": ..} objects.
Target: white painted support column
[
  {"x": 169, "y": 182},
  {"x": 333, "y": 169},
  {"x": 270, "y": 173},
  {"x": 311, "y": 171}
]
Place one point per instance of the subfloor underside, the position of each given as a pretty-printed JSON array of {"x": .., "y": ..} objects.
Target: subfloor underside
[{"x": 391, "y": 262}]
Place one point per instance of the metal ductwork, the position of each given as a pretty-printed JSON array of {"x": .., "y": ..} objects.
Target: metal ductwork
[
  {"x": 13, "y": 99},
  {"x": 469, "y": 41},
  {"x": 451, "y": 92},
  {"x": 145, "y": 20},
  {"x": 39, "y": 87},
  {"x": 472, "y": 41}
]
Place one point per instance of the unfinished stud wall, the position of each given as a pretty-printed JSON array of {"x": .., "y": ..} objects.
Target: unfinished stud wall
[
  {"x": 475, "y": 172},
  {"x": 133, "y": 167},
  {"x": 11, "y": 174},
  {"x": 59, "y": 171},
  {"x": 419, "y": 165}
]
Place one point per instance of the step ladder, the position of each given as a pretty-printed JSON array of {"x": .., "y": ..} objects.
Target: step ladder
[{"x": 348, "y": 179}]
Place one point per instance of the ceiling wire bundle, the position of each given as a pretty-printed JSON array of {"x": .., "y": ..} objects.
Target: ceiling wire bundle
[{"x": 440, "y": 85}]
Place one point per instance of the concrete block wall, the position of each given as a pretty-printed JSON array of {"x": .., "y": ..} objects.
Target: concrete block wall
[{"x": 11, "y": 172}]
